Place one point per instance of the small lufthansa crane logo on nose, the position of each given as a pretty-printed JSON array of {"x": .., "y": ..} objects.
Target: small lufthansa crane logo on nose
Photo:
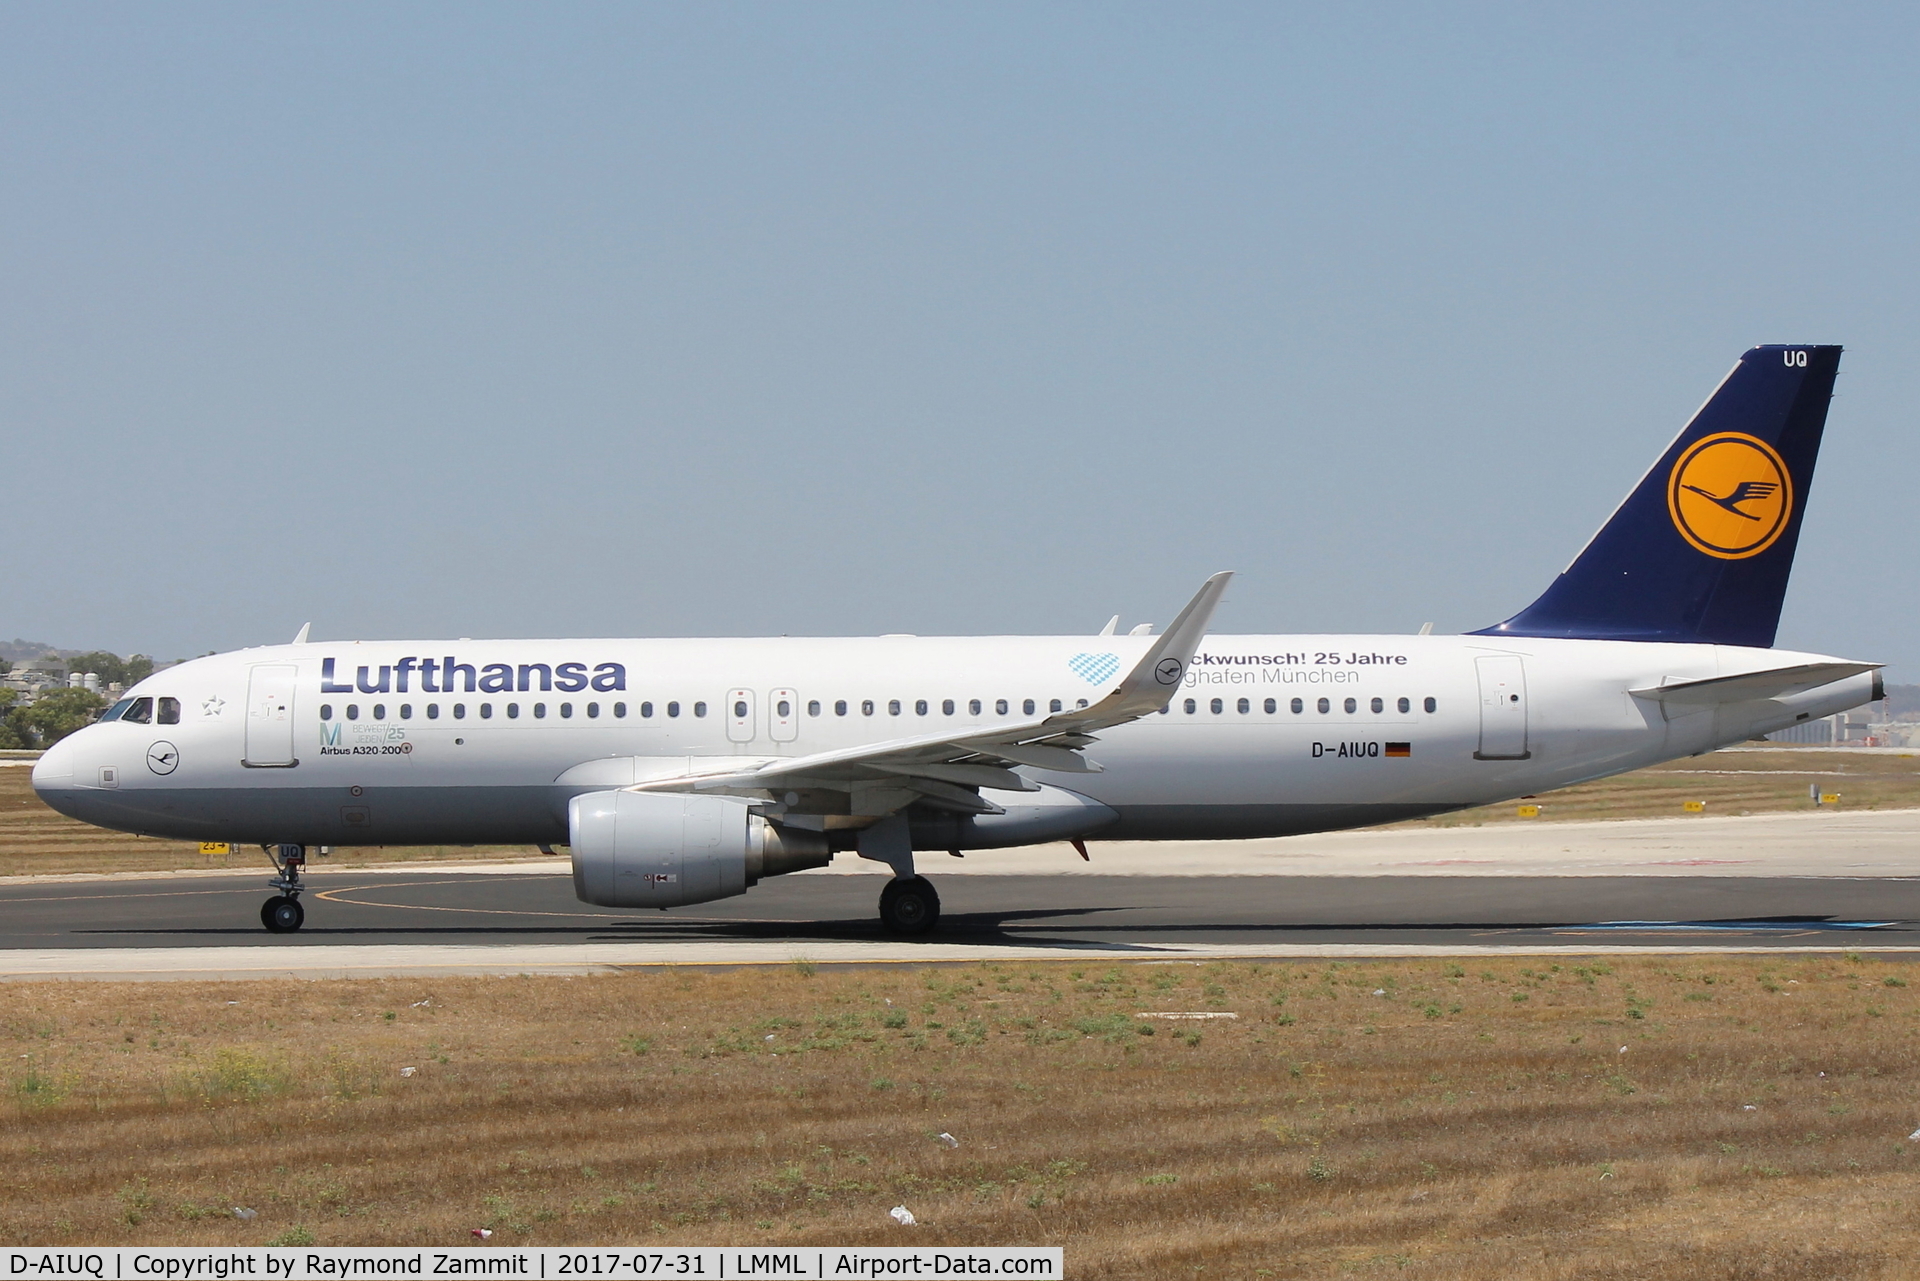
[
  {"x": 163, "y": 757},
  {"x": 1730, "y": 495}
]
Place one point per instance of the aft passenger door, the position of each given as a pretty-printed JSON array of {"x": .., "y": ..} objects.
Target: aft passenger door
[
  {"x": 270, "y": 716},
  {"x": 1503, "y": 708}
]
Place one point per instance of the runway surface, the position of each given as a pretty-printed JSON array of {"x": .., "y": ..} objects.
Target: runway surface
[
  {"x": 451, "y": 921},
  {"x": 1817, "y": 881}
]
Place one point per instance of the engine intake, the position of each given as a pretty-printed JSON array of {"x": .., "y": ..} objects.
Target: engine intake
[{"x": 663, "y": 849}]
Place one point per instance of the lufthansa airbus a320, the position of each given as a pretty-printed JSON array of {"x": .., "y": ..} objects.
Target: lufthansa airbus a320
[{"x": 680, "y": 771}]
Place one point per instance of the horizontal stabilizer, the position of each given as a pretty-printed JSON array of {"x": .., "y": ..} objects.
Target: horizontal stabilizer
[{"x": 1775, "y": 682}]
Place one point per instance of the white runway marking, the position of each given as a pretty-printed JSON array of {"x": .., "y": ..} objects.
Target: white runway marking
[{"x": 397, "y": 960}]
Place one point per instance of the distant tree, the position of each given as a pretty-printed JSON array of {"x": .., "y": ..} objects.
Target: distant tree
[
  {"x": 5, "y": 667},
  {"x": 11, "y": 736},
  {"x": 139, "y": 667},
  {"x": 54, "y": 715}
]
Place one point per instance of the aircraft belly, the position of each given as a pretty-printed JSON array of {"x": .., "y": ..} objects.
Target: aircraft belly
[
  {"x": 1249, "y": 821},
  {"x": 450, "y": 815}
]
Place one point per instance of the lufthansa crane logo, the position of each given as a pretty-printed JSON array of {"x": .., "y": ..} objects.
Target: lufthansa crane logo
[{"x": 1730, "y": 495}]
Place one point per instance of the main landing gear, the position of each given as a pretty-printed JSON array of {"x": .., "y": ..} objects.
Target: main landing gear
[
  {"x": 283, "y": 914},
  {"x": 909, "y": 906}
]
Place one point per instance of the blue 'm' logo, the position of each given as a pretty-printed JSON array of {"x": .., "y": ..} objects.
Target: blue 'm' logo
[{"x": 1094, "y": 668}]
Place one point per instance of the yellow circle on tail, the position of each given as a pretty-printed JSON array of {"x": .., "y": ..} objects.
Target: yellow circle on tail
[{"x": 1730, "y": 495}]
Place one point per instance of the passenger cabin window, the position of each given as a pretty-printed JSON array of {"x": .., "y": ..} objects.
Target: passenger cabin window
[
  {"x": 169, "y": 711},
  {"x": 1324, "y": 706},
  {"x": 866, "y": 707},
  {"x": 486, "y": 711},
  {"x": 513, "y": 711},
  {"x": 141, "y": 713},
  {"x": 999, "y": 707},
  {"x": 973, "y": 707},
  {"x": 1273, "y": 706},
  {"x": 1432, "y": 706},
  {"x": 1216, "y": 707},
  {"x": 353, "y": 711},
  {"x": 1192, "y": 707},
  {"x": 1352, "y": 706},
  {"x": 840, "y": 707},
  {"x": 673, "y": 709},
  {"x": 566, "y": 711},
  {"x": 1297, "y": 707},
  {"x": 920, "y": 707},
  {"x": 740, "y": 710},
  {"x": 540, "y": 711},
  {"x": 646, "y": 711},
  {"x": 699, "y": 709},
  {"x": 1027, "y": 707},
  {"x": 1379, "y": 706},
  {"x": 406, "y": 711},
  {"x": 1246, "y": 705},
  {"x": 593, "y": 711},
  {"x": 379, "y": 711},
  {"x": 459, "y": 711},
  {"x": 1406, "y": 705},
  {"x": 620, "y": 710},
  {"x": 946, "y": 707},
  {"x": 813, "y": 707},
  {"x": 1053, "y": 705},
  {"x": 326, "y": 711},
  {"x": 433, "y": 711},
  {"x": 893, "y": 707}
]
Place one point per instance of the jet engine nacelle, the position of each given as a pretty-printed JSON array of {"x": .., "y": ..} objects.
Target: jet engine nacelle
[{"x": 663, "y": 849}]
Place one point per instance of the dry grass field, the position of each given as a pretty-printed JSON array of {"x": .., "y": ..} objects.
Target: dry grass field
[
  {"x": 36, "y": 840},
  {"x": 1646, "y": 1118},
  {"x": 1729, "y": 783}
]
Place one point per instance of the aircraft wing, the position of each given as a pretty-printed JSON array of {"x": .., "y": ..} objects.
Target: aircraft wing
[
  {"x": 1774, "y": 682},
  {"x": 947, "y": 769}
]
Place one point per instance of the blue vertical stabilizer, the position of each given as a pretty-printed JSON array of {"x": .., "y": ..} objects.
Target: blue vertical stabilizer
[{"x": 1702, "y": 548}]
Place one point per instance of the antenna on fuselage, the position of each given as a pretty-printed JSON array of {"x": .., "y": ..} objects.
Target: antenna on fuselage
[
  {"x": 1426, "y": 629},
  {"x": 1111, "y": 624},
  {"x": 300, "y": 637}
]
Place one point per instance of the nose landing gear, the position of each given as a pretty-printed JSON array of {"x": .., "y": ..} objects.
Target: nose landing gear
[
  {"x": 283, "y": 914},
  {"x": 908, "y": 905}
]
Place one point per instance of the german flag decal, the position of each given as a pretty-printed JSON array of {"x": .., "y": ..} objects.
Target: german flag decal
[{"x": 1399, "y": 749}]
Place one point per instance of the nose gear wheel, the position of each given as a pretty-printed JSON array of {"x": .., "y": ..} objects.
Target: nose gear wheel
[{"x": 283, "y": 914}]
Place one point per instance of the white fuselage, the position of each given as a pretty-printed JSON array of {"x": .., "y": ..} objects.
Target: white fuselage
[{"x": 388, "y": 743}]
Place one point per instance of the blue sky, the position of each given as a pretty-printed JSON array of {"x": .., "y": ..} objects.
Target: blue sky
[{"x": 714, "y": 319}]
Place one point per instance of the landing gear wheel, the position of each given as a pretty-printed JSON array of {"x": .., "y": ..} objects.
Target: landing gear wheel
[
  {"x": 282, "y": 915},
  {"x": 909, "y": 906}
]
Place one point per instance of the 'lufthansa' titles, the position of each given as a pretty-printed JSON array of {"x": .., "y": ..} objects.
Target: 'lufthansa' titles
[{"x": 450, "y": 676}]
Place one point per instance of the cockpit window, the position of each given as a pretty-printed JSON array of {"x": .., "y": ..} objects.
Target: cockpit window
[
  {"x": 169, "y": 711},
  {"x": 141, "y": 713},
  {"x": 115, "y": 712}
]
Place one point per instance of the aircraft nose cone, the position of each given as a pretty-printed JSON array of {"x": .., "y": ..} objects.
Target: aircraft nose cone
[{"x": 54, "y": 769}]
